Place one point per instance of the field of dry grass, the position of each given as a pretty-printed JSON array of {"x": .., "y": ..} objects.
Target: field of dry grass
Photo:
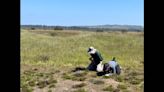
[{"x": 48, "y": 58}]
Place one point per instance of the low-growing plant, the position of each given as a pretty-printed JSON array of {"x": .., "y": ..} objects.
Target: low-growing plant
[
  {"x": 79, "y": 85},
  {"x": 108, "y": 88}
]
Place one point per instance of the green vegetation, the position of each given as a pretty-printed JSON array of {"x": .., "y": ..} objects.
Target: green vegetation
[
  {"x": 48, "y": 56},
  {"x": 80, "y": 90},
  {"x": 122, "y": 86},
  {"x": 79, "y": 85},
  {"x": 108, "y": 88},
  {"x": 68, "y": 49},
  {"x": 73, "y": 77},
  {"x": 95, "y": 81}
]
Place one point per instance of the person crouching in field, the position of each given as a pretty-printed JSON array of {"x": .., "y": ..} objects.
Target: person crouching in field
[
  {"x": 110, "y": 68},
  {"x": 95, "y": 58}
]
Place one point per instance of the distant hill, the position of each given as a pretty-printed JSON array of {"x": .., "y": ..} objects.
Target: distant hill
[
  {"x": 128, "y": 27},
  {"x": 117, "y": 26},
  {"x": 89, "y": 28}
]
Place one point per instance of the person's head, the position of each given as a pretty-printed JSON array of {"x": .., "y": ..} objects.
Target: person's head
[
  {"x": 91, "y": 50},
  {"x": 114, "y": 59}
]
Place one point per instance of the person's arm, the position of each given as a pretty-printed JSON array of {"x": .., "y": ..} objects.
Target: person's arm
[
  {"x": 91, "y": 58},
  {"x": 114, "y": 70}
]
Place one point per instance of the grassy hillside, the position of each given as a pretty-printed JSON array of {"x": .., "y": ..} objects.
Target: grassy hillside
[{"x": 49, "y": 51}]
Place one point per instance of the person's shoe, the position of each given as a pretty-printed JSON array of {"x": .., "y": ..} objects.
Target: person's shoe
[{"x": 109, "y": 74}]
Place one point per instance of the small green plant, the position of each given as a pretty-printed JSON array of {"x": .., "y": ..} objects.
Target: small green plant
[
  {"x": 122, "y": 86},
  {"x": 26, "y": 89},
  {"x": 35, "y": 69},
  {"x": 73, "y": 77},
  {"x": 40, "y": 74},
  {"x": 108, "y": 88},
  {"x": 52, "y": 86},
  {"x": 78, "y": 78},
  {"x": 79, "y": 85},
  {"x": 51, "y": 81},
  {"x": 116, "y": 90},
  {"x": 43, "y": 57},
  {"x": 125, "y": 91},
  {"x": 66, "y": 76},
  {"x": 135, "y": 81},
  {"x": 142, "y": 62},
  {"x": 119, "y": 78},
  {"x": 80, "y": 90},
  {"x": 98, "y": 82},
  {"x": 29, "y": 72},
  {"x": 49, "y": 90},
  {"x": 42, "y": 84},
  {"x": 133, "y": 73},
  {"x": 80, "y": 74},
  {"x": 56, "y": 71},
  {"x": 31, "y": 83}
]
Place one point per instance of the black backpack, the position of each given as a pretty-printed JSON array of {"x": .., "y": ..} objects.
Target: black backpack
[
  {"x": 107, "y": 68},
  {"x": 118, "y": 69}
]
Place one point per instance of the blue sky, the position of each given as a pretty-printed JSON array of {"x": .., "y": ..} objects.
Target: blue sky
[{"x": 82, "y": 12}]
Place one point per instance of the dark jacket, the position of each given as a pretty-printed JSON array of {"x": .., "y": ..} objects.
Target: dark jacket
[{"x": 97, "y": 57}]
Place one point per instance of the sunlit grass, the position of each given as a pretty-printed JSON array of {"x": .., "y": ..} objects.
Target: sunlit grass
[
  {"x": 66, "y": 50},
  {"x": 61, "y": 50}
]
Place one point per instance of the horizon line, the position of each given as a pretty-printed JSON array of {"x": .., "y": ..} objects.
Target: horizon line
[{"x": 86, "y": 25}]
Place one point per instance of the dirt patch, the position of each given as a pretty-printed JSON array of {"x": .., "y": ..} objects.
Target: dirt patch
[
  {"x": 111, "y": 82},
  {"x": 78, "y": 79},
  {"x": 65, "y": 85}
]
